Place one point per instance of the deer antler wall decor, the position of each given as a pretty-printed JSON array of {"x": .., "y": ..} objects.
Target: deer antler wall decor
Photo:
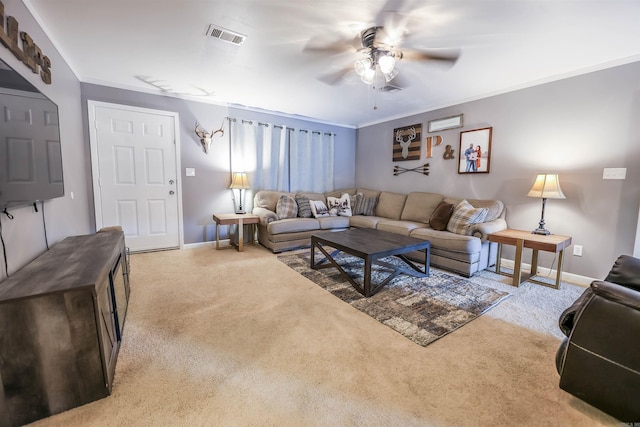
[
  {"x": 405, "y": 144},
  {"x": 205, "y": 137}
]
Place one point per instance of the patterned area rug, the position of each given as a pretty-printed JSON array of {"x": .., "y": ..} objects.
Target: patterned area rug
[{"x": 421, "y": 309}]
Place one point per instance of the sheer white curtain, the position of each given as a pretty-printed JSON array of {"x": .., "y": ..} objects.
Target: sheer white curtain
[
  {"x": 280, "y": 158},
  {"x": 311, "y": 165},
  {"x": 260, "y": 150}
]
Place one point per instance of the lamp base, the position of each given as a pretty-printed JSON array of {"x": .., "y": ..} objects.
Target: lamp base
[
  {"x": 241, "y": 212},
  {"x": 542, "y": 231}
]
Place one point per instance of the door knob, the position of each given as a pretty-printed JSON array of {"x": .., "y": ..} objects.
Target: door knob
[{"x": 172, "y": 192}]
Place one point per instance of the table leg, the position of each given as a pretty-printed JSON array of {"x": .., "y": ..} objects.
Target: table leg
[
  {"x": 559, "y": 272},
  {"x": 240, "y": 235},
  {"x": 499, "y": 258},
  {"x": 217, "y": 236},
  {"x": 517, "y": 266},
  {"x": 367, "y": 277},
  {"x": 534, "y": 262}
]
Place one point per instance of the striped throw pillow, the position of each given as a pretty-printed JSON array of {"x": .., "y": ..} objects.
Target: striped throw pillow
[
  {"x": 365, "y": 205},
  {"x": 304, "y": 208}
]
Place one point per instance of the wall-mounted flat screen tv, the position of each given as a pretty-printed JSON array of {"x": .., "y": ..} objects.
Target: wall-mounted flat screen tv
[{"x": 30, "y": 152}]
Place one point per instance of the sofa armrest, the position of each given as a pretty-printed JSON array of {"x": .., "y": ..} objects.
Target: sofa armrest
[
  {"x": 568, "y": 316},
  {"x": 607, "y": 290},
  {"x": 266, "y": 216},
  {"x": 483, "y": 230}
]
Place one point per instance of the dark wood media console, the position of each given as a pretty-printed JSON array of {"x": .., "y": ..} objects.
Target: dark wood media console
[{"x": 61, "y": 323}]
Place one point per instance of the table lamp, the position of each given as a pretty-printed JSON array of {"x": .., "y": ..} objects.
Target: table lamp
[
  {"x": 545, "y": 187},
  {"x": 239, "y": 181}
]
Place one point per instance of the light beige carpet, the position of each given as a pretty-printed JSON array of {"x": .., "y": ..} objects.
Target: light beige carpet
[{"x": 221, "y": 338}]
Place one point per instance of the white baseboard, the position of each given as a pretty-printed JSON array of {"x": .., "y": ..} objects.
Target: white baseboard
[
  {"x": 583, "y": 281},
  {"x": 201, "y": 244}
]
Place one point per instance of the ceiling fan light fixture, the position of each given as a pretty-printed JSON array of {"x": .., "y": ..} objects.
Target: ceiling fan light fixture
[
  {"x": 386, "y": 62},
  {"x": 368, "y": 75},
  {"x": 362, "y": 65},
  {"x": 390, "y": 75}
]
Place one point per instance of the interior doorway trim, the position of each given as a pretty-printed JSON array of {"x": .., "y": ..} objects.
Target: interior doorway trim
[{"x": 97, "y": 196}]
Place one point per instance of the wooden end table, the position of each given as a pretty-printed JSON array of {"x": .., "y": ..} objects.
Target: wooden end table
[
  {"x": 239, "y": 220},
  {"x": 525, "y": 239}
]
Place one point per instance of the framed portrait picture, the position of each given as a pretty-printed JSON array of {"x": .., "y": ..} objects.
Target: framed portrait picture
[{"x": 475, "y": 151}]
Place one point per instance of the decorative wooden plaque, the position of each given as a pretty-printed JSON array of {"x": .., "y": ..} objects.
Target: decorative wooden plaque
[{"x": 406, "y": 143}]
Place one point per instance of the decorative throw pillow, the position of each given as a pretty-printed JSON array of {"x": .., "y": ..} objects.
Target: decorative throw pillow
[
  {"x": 304, "y": 208},
  {"x": 365, "y": 205},
  {"x": 318, "y": 208},
  {"x": 464, "y": 216},
  {"x": 342, "y": 205},
  {"x": 441, "y": 215},
  {"x": 353, "y": 201},
  {"x": 286, "y": 207}
]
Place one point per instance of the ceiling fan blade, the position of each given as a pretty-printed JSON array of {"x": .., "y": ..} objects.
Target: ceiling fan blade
[
  {"x": 335, "y": 47},
  {"x": 445, "y": 55},
  {"x": 390, "y": 6},
  {"x": 335, "y": 77}
]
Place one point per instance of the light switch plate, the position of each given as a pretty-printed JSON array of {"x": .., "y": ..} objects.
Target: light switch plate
[
  {"x": 614, "y": 173},
  {"x": 190, "y": 171}
]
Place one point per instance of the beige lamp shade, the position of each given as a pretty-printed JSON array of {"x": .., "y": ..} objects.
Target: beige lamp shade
[
  {"x": 239, "y": 181},
  {"x": 546, "y": 186}
]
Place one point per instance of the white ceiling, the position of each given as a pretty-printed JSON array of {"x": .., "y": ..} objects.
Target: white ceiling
[{"x": 504, "y": 45}]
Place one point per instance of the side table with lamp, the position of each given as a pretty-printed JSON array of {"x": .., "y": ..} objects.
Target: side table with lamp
[
  {"x": 239, "y": 181},
  {"x": 546, "y": 186}
]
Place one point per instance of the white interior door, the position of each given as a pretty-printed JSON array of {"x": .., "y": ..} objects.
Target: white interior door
[{"x": 135, "y": 164}]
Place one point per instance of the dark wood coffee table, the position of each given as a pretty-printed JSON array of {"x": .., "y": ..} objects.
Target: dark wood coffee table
[{"x": 370, "y": 246}]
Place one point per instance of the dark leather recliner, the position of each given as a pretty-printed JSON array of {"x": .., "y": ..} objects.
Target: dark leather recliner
[{"x": 599, "y": 361}]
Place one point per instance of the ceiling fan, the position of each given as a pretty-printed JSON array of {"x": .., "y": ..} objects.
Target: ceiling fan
[{"x": 378, "y": 52}]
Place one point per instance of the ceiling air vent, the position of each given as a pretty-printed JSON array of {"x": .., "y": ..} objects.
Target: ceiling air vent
[
  {"x": 390, "y": 88},
  {"x": 226, "y": 35}
]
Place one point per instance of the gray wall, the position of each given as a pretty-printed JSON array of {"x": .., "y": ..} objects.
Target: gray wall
[
  {"x": 207, "y": 192},
  {"x": 24, "y": 236},
  {"x": 574, "y": 127}
]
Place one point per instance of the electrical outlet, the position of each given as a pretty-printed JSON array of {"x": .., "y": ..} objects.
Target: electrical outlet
[{"x": 577, "y": 250}]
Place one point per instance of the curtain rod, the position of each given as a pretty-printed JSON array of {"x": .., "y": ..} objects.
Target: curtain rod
[{"x": 243, "y": 121}]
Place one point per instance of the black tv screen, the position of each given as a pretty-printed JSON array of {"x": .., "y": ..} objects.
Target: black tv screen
[{"x": 30, "y": 152}]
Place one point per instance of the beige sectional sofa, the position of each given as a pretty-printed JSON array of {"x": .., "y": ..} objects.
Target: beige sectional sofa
[{"x": 407, "y": 214}]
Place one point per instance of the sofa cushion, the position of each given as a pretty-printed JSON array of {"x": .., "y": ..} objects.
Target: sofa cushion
[
  {"x": 361, "y": 221},
  {"x": 419, "y": 206},
  {"x": 464, "y": 216},
  {"x": 293, "y": 225},
  {"x": 333, "y": 222},
  {"x": 341, "y": 205},
  {"x": 448, "y": 241},
  {"x": 339, "y": 193},
  {"x": 390, "y": 205},
  {"x": 365, "y": 205},
  {"x": 399, "y": 227},
  {"x": 304, "y": 208},
  {"x": 368, "y": 193},
  {"x": 441, "y": 216},
  {"x": 286, "y": 207},
  {"x": 313, "y": 196},
  {"x": 318, "y": 208}
]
